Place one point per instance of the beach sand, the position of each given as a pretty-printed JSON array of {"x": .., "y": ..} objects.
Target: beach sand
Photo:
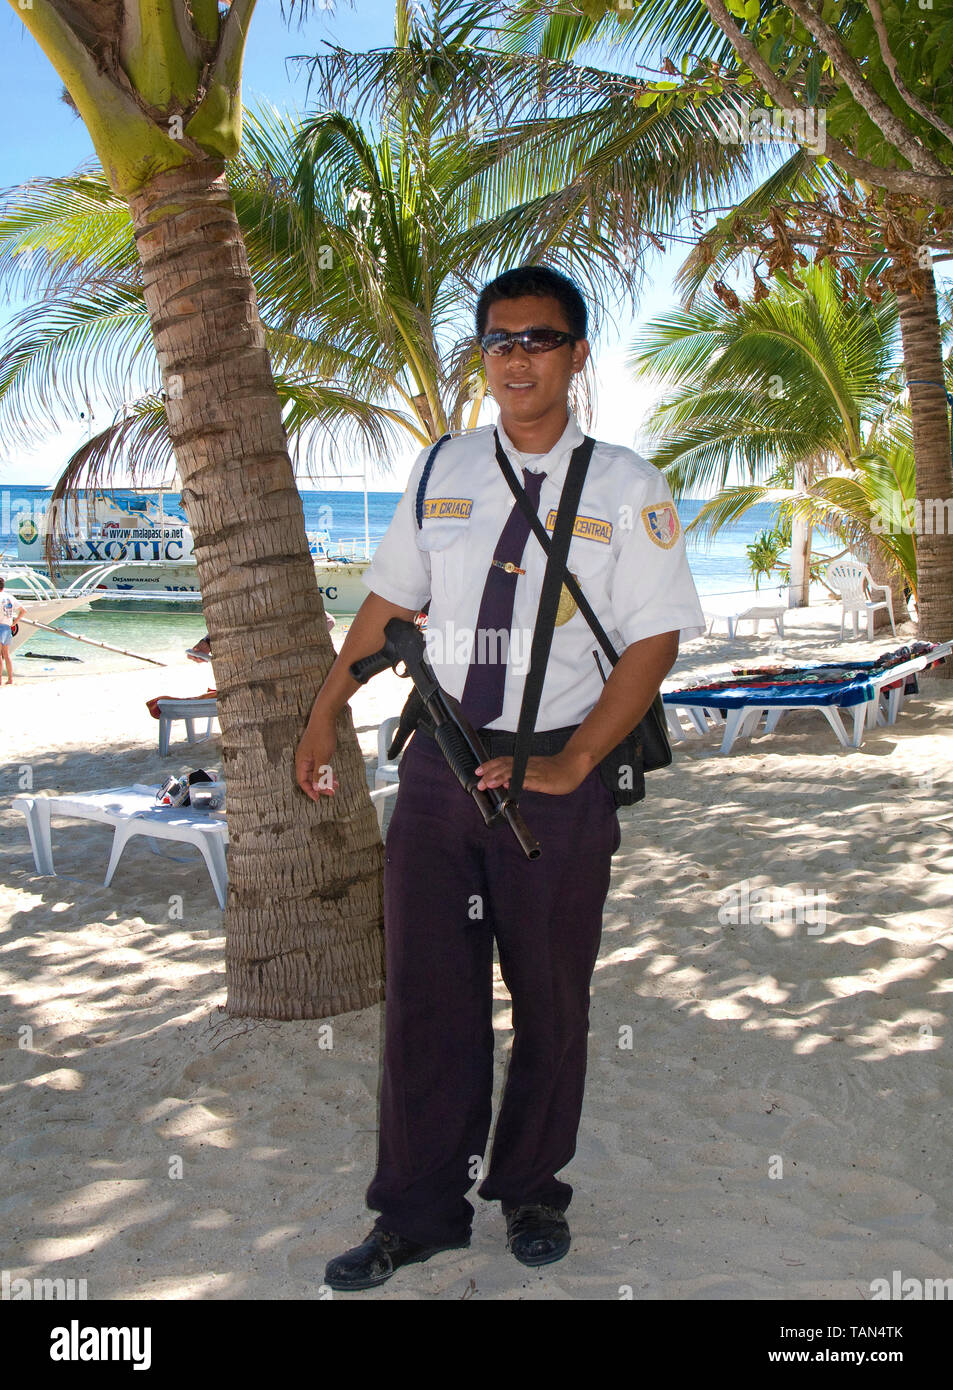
[{"x": 768, "y": 1104}]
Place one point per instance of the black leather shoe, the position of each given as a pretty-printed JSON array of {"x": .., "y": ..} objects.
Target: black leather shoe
[
  {"x": 537, "y": 1234},
  {"x": 373, "y": 1262}
]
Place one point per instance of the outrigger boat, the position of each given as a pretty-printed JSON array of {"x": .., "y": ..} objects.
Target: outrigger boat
[
  {"x": 144, "y": 545},
  {"x": 43, "y": 601},
  {"x": 145, "y": 542}
]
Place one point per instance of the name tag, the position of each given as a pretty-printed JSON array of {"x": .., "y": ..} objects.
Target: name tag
[
  {"x": 440, "y": 507},
  {"x": 593, "y": 528}
]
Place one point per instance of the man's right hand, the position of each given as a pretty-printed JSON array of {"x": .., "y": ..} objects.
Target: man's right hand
[
  {"x": 313, "y": 769},
  {"x": 365, "y": 636}
]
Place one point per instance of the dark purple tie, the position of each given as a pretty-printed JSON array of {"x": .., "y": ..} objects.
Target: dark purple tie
[{"x": 482, "y": 698}]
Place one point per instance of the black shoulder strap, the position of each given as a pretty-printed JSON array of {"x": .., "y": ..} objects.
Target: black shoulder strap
[
  {"x": 558, "y": 552},
  {"x": 424, "y": 479},
  {"x": 539, "y": 531}
]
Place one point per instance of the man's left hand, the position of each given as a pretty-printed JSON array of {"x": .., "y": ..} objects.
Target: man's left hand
[{"x": 559, "y": 774}]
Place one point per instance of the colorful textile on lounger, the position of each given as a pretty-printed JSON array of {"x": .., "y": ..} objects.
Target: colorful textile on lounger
[
  {"x": 847, "y": 670},
  {"x": 831, "y": 683},
  {"x": 735, "y": 695}
]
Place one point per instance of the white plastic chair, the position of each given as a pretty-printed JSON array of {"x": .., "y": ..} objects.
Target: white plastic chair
[
  {"x": 853, "y": 582},
  {"x": 192, "y": 712},
  {"x": 386, "y": 772},
  {"x": 380, "y": 798}
]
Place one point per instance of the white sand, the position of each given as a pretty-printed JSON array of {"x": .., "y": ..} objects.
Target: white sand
[{"x": 822, "y": 1046}]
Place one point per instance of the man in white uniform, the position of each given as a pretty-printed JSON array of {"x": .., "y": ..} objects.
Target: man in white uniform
[{"x": 452, "y": 885}]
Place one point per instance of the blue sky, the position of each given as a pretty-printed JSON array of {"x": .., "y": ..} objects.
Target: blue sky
[{"x": 46, "y": 138}]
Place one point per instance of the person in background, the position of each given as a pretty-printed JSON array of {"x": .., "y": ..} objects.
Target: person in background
[
  {"x": 10, "y": 611},
  {"x": 202, "y": 651}
]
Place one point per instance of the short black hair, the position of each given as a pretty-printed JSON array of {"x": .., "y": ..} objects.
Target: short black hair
[{"x": 540, "y": 280}]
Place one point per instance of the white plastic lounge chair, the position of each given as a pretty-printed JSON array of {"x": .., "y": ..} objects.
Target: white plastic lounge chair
[
  {"x": 737, "y": 608},
  {"x": 133, "y": 811},
  {"x": 130, "y": 811},
  {"x": 853, "y": 582},
  {"x": 891, "y": 701},
  {"x": 192, "y": 712},
  {"x": 701, "y": 720},
  {"x": 880, "y": 707}
]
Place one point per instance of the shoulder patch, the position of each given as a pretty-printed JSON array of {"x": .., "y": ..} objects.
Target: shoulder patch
[
  {"x": 440, "y": 507},
  {"x": 662, "y": 524},
  {"x": 594, "y": 528}
]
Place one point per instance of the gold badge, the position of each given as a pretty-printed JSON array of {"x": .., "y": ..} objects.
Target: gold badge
[{"x": 567, "y": 605}]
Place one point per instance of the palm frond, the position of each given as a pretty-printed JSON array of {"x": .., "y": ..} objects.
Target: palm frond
[
  {"x": 56, "y": 233},
  {"x": 653, "y": 27},
  {"x": 730, "y": 506},
  {"x": 791, "y": 377},
  {"x": 77, "y": 349}
]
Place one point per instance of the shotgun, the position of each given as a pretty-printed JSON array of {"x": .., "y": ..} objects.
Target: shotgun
[{"x": 455, "y": 736}]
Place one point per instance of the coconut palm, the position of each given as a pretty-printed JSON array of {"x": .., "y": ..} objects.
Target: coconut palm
[
  {"x": 798, "y": 393},
  {"x": 158, "y": 88},
  {"x": 886, "y": 139},
  {"x": 67, "y": 248},
  {"x": 367, "y": 245}
]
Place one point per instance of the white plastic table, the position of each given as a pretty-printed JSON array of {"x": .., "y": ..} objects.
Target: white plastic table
[
  {"x": 755, "y": 612},
  {"x": 131, "y": 811},
  {"x": 192, "y": 712}
]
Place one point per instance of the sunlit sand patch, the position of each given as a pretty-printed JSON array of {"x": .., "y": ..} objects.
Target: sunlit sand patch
[
  {"x": 724, "y": 1008},
  {"x": 92, "y": 1199},
  {"x": 767, "y": 990},
  {"x": 63, "y": 1079}
]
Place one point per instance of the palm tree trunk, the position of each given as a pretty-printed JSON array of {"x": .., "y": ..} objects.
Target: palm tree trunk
[
  {"x": 799, "y": 590},
  {"x": 920, "y": 329},
  {"x": 303, "y": 921}
]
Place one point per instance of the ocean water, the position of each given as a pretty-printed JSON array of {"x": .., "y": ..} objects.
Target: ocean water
[{"x": 718, "y": 568}]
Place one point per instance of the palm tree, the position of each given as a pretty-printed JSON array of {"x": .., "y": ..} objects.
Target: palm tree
[
  {"x": 887, "y": 148},
  {"x": 798, "y": 393},
  {"x": 158, "y": 87},
  {"x": 363, "y": 245},
  {"x": 67, "y": 247},
  {"x": 367, "y": 250},
  {"x": 162, "y": 256}
]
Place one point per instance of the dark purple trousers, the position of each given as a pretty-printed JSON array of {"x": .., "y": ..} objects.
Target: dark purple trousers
[{"x": 450, "y": 885}]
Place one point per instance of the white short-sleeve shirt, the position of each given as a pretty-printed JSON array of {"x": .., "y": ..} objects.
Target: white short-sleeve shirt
[
  {"x": 627, "y": 553},
  {"x": 9, "y": 608}
]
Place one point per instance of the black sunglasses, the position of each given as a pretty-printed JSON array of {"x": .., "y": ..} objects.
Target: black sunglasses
[{"x": 531, "y": 340}]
